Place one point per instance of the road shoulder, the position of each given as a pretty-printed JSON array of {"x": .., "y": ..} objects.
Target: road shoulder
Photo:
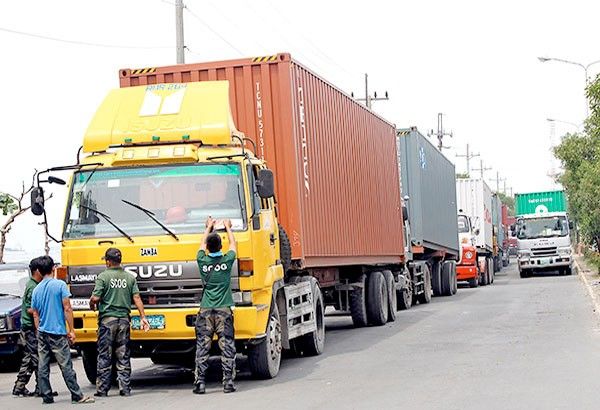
[{"x": 591, "y": 281}]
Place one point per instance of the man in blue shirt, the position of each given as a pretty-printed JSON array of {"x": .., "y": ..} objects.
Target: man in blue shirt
[{"x": 51, "y": 308}]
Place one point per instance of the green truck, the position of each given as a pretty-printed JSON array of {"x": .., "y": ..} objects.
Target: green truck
[{"x": 543, "y": 233}]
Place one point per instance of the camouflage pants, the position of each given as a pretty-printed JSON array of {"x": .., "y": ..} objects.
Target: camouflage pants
[
  {"x": 59, "y": 346},
  {"x": 113, "y": 337},
  {"x": 29, "y": 363},
  {"x": 209, "y": 322}
]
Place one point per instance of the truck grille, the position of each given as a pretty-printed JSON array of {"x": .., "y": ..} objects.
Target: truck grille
[{"x": 550, "y": 251}]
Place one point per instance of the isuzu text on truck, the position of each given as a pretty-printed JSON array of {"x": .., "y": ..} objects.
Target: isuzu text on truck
[
  {"x": 311, "y": 185},
  {"x": 543, "y": 233}
]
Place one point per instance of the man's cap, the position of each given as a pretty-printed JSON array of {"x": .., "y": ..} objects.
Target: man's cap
[{"x": 113, "y": 254}]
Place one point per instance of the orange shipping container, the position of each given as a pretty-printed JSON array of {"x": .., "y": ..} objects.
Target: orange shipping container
[{"x": 335, "y": 161}]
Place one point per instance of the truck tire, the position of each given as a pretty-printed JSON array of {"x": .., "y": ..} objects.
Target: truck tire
[
  {"x": 568, "y": 271},
  {"x": 264, "y": 358},
  {"x": 524, "y": 273},
  {"x": 492, "y": 273},
  {"x": 313, "y": 343},
  {"x": 425, "y": 297},
  {"x": 390, "y": 285},
  {"x": 436, "y": 278},
  {"x": 405, "y": 296},
  {"x": 377, "y": 299},
  {"x": 285, "y": 250},
  {"x": 454, "y": 279},
  {"x": 89, "y": 357},
  {"x": 473, "y": 283},
  {"x": 447, "y": 278},
  {"x": 358, "y": 305},
  {"x": 485, "y": 275}
]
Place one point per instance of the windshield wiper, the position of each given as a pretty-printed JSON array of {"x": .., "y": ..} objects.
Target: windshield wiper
[
  {"x": 150, "y": 215},
  {"x": 107, "y": 219}
]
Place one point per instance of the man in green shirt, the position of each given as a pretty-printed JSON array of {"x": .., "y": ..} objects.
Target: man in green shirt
[
  {"x": 215, "y": 315},
  {"x": 29, "y": 363},
  {"x": 113, "y": 294}
]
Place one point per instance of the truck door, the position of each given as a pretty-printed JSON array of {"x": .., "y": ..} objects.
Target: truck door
[{"x": 263, "y": 222}]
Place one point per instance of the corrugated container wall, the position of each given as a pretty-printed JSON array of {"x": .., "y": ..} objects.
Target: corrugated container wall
[
  {"x": 505, "y": 215},
  {"x": 429, "y": 180},
  {"x": 474, "y": 197},
  {"x": 334, "y": 160},
  {"x": 539, "y": 202}
]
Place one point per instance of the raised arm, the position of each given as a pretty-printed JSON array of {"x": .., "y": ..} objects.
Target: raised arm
[
  {"x": 210, "y": 224},
  {"x": 232, "y": 243}
]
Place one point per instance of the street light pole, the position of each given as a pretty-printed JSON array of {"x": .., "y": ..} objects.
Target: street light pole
[{"x": 585, "y": 68}]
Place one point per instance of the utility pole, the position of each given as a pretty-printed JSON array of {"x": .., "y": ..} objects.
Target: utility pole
[
  {"x": 469, "y": 156},
  {"x": 482, "y": 169},
  {"x": 368, "y": 98},
  {"x": 440, "y": 134},
  {"x": 180, "y": 47},
  {"x": 498, "y": 179}
]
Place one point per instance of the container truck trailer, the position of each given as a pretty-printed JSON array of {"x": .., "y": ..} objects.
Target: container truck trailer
[
  {"x": 474, "y": 200},
  {"x": 310, "y": 181},
  {"x": 428, "y": 186},
  {"x": 543, "y": 233},
  {"x": 498, "y": 232}
]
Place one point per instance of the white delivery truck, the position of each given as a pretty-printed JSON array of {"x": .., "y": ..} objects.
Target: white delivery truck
[{"x": 474, "y": 199}]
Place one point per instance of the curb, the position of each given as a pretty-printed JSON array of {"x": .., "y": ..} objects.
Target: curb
[{"x": 586, "y": 282}]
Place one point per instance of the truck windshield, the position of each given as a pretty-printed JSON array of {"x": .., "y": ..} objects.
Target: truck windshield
[
  {"x": 546, "y": 227},
  {"x": 463, "y": 224},
  {"x": 181, "y": 197}
]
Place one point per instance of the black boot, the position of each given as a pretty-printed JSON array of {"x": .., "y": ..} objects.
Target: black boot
[
  {"x": 228, "y": 386},
  {"x": 199, "y": 388},
  {"x": 22, "y": 392}
]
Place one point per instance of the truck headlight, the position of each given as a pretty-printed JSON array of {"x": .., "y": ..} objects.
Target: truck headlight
[
  {"x": 242, "y": 298},
  {"x": 3, "y": 323},
  {"x": 524, "y": 254},
  {"x": 564, "y": 251}
]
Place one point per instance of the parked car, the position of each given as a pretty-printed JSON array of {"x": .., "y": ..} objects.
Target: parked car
[{"x": 13, "y": 277}]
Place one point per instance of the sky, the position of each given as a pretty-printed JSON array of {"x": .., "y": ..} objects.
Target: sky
[{"x": 474, "y": 61}]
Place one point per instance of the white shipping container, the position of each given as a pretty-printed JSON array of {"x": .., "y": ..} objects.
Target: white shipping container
[{"x": 474, "y": 198}]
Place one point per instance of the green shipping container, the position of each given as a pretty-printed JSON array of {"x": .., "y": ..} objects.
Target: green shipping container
[{"x": 540, "y": 202}]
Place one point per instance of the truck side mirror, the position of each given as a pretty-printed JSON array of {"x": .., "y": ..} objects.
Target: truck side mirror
[
  {"x": 37, "y": 201},
  {"x": 571, "y": 225},
  {"x": 265, "y": 183}
]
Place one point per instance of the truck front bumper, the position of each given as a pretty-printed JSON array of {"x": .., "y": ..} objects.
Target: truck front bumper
[
  {"x": 466, "y": 272},
  {"x": 179, "y": 324},
  {"x": 546, "y": 262}
]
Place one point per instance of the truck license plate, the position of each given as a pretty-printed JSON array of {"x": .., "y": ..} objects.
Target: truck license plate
[
  {"x": 156, "y": 322},
  {"x": 544, "y": 261}
]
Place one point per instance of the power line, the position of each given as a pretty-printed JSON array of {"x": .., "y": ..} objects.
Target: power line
[
  {"x": 216, "y": 33},
  {"x": 80, "y": 43}
]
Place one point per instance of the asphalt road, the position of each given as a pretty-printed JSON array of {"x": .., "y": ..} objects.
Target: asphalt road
[{"x": 519, "y": 344}]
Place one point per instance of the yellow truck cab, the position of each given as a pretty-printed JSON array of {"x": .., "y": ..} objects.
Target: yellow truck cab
[{"x": 160, "y": 160}]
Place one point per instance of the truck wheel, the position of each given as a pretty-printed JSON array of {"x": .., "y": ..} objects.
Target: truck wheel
[
  {"x": 568, "y": 271},
  {"x": 390, "y": 285},
  {"x": 425, "y": 297},
  {"x": 89, "y": 357},
  {"x": 474, "y": 283},
  {"x": 264, "y": 358},
  {"x": 313, "y": 343},
  {"x": 447, "y": 279},
  {"x": 358, "y": 306},
  {"x": 436, "y": 278},
  {"x": 491, "y": 272},
  {"x": 377, "y": 299},
  {"x": 405, "y": 296},
  {"x": 285, "y": 250},
  {"x": 524, "y": 273},
  {"x": 454, "y": 279}
]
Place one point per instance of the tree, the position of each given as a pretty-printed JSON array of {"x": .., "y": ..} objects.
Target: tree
[
  {"x": 12, "y": 206},
  {"x": 508, "y": 201},
  {"x": 580, "y": 158}
]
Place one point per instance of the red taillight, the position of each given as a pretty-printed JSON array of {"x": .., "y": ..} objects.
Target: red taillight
[{"x": 62, "y": 272}]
